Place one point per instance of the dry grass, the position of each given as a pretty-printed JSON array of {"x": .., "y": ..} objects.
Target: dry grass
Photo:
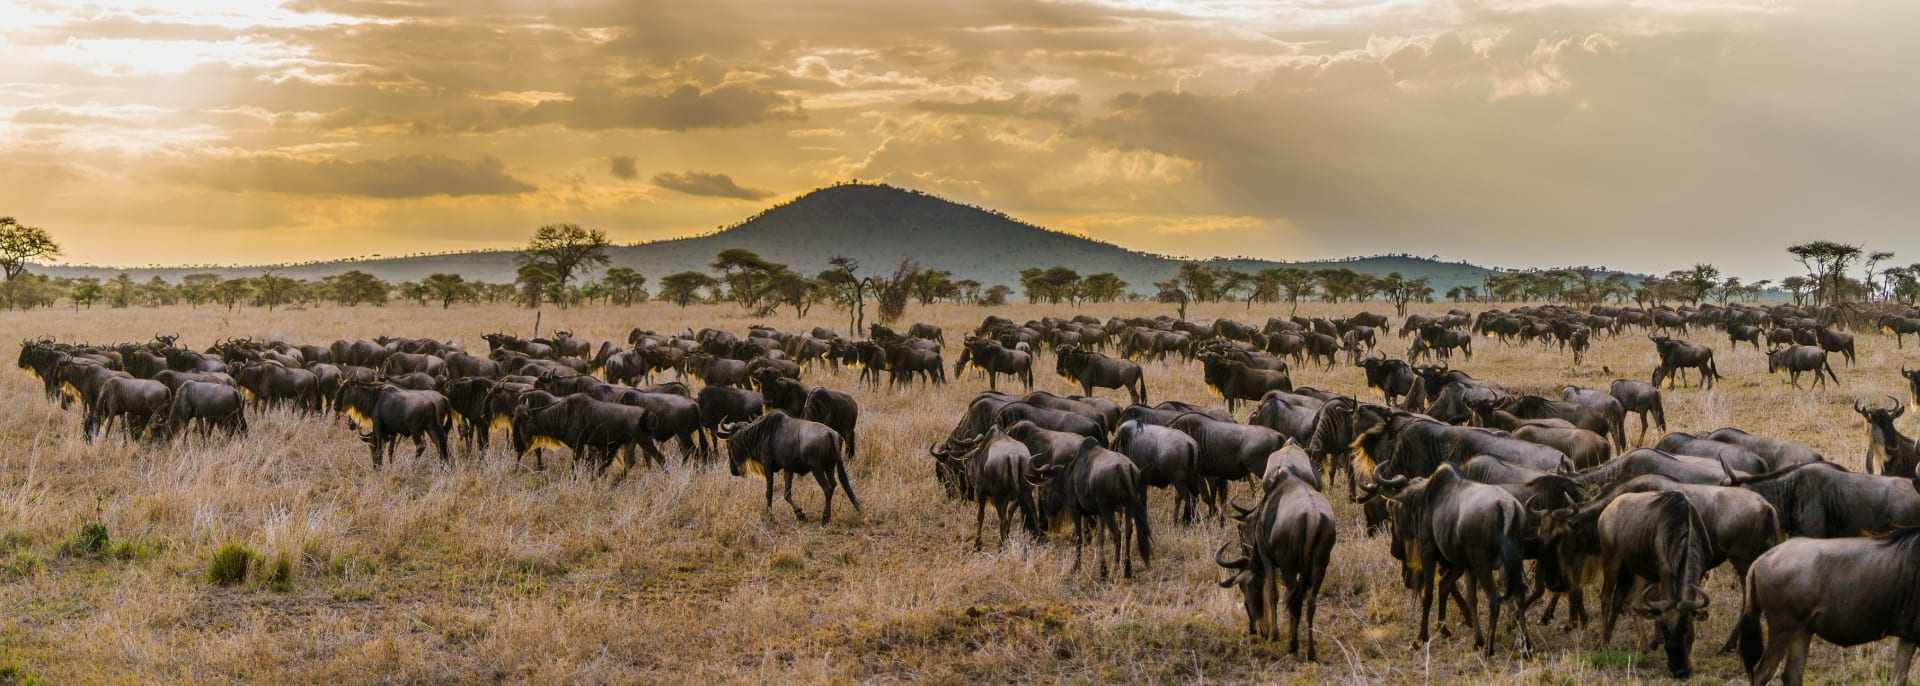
[{"x": 488, "y": 571}]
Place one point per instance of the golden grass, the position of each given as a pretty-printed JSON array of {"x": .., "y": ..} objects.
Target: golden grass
[{"x": 488, "y": 570}]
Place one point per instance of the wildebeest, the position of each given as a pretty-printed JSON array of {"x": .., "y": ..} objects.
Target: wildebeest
[
  {"x": 1166, "y": 458},
  {"x": 1287, "y": 538},
  {"x": 1394, "y": 378},
  {"x": 391, "y": 412},
  {"x": 997, "y": 467},
  {"x": 717, "y": 371},
  {"x": 1446, "y": 522},
  {"x": 724, "y": 404},
  {"x": 1913, "y": 385},
  {"x": 1656, "y": 537},
  {"x": 1895, "y": 454},
  {"x": 1848, "y": 591},
  {"x": 1228, "y": 452},
  {"x": 777, "y": 443},
  {"x": 1098, "y": 490},
  {"x": 1679, "y": 355},
  {"x": 1728, "y": 454},
  {"x": 1095, "y": 370},
  {"x": 1824, "y": 500},
  {"x": 988, "y": 355},
  {"x": 1683, "y": 468},
  {"x": 136, "y": 400},
  {"x": 272, "y": 383},
  {"x": 1801, "y": 358},
  {"x": 206, "y": 404},
  {"x": 1778, "y": 453},
  {"x": 593, "y": 430},
  {"x": 1642, "y": 399},
  {"x": 1235, "y": 381},
  {"x": 833, "y": 408}
]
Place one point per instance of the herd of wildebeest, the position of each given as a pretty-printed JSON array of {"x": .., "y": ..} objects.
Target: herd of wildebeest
[{"x": 1468, "y": 481}]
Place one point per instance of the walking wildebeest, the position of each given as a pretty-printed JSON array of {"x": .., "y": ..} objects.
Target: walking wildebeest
[{"x": 777, "y": 443}]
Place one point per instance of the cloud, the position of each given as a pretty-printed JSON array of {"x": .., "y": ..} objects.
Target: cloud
[
  {"x": 622, "y": 167},
  {"x": 406, "y": 176},
  {"x": 714, "y": 185},
  {"x": 1058, "y": 108},
  {"x": 684, "y": 108}
]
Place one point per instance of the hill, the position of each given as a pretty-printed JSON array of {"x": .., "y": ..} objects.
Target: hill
[{"x": 876, "y": 224}]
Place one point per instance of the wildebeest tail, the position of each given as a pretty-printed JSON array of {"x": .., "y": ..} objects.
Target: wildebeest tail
[
  {"x": 840, "y": 470},
  {"x": 1659, "y": 412},
  {"x": 1829, "y": 367},
  {"x": 1137, "y": 511},
  {"x": 1510, "y": 562},
  {"x": 1752, "y": 638},
  {"x": 1141, "y": 382}
]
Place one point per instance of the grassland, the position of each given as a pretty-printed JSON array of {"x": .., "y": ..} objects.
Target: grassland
[{"x": 486, "y": 570}]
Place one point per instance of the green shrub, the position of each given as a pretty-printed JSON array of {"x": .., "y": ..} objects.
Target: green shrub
[
  {"x": 229, "y": 565},
  {"x": 278, "y": 574},
  {"x": 92, "y": 539}
]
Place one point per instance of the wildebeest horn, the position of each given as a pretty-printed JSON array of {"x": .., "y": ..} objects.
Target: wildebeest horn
[
  {"x": 723, "y": 429},
  {"x": 1897, "y": 408},
  {"x": 1858, "y": 408},
  {"x": 1380, "y": 477},
  {"x": 1694, "y": 598},
  {"x": 934, "y": 450},
  {"x": 1219, "y": 559},
  {"x": 1647, "y": 601}
]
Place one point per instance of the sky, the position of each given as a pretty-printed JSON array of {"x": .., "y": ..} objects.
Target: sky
[{"x": 1636, "y": 135}]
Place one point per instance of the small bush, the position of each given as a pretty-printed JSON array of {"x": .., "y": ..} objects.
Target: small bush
[
  {"x": 26, "y": 565},
  {"x": 278, "y": 574},
  {"x": 92, "y": 540},
  {"x": 13, "y": 675},
  {"x": 130, "y": 551},
  {"x": 229, "y": 565}
]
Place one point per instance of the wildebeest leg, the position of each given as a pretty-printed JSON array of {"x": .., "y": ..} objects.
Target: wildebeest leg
[
  {"x": 1079, "y": 539},
  {"x": 373, "y": 441},
  {"x": 797, "y": 514},
  {"x": 980, "y": 521},
  {"x": 1425, "y": 581},
  {"x": 1006, "y": 524},
  {"x": 1613, "y": 595},
  {"x": 769, "y": 508},
  {"x": 1902, "y": 657},
  {"x": 419, "y": 446},
  {"x": 825, "y": 479}
]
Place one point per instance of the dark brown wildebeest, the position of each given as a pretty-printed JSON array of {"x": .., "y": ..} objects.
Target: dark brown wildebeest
[
  {"x": 997, "y": 467},
  {"x": 1643, "y": 399},
  {"x": 717, "y": 371},
  {"x": 270, "y": 383},
  {"x": 1743, "y": 332},
  {"x": 1801, "y": 358},
  {"x": 776, "y": 443},
  {"x": 1682, "y": 468},
  {"x": 1235, "y": 381},
  {"x": 1447, "y": 522},
  {"x": 137, "y": 400},
  {"x": 1679, "y": 355},
  {"x": 1913, "y": 385},
  {"x": 725, "y": 404},
  {"x": 1728, "y": 454},
  {"x": 904, "y": 362},
  {"x": 1287, "y": 539},
  {"x": 1095, "y": 370},
  {"x": 1167, "y": 458},
  {"x": 1848, "y": 591},
  {"x": 1824, "y": 500},
  {"x": 1657, "y": 537},
  {"x": 594, "y": 430},
  {"x": 1097, "y": 490},
  {"x": 988, "y": 355},
  {"x": 203, "y": 403},
  {"x": 1779, "y": 453},
  {"x": 1740, "y": 524},
  {"x": 1228, "y": 452},
  {"x": 391, "y": 412},
  {"x": 927, "y": 331},
  {"x": 833, "y": 408},
  {"x": 1394, "y": 378},
  {"x": 1896, "y": 454}
]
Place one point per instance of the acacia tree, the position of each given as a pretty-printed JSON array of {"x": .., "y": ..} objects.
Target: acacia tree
[
  {"x": 684, "y": 287},
  {"x": 447, "y": 288},
  {"x": 847, "y": 289},
  {"x": 1295, "y": 283},
  {"x": 746, "y": 274},
  {"x": 564, "y": 250},
  {"x": 20, "y": 243},
  {"x": 626, "y": 285},
  {"x": 1826, "y": 264}
]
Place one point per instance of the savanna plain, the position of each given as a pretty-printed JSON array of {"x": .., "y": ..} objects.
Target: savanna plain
[{"x": 487, "y": 570}]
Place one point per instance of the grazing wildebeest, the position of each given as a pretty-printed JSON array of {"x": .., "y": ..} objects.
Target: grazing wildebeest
[
  {"x": 1098, "y": 490},
  {"x": 1447, "y": 522},
  {"x": 997, "y": 467},
  {"x": 1801, "y": 358},
  {"x": 1897, "y": 454},
  {"x": 1166, "y": 458},
  {"x": 1287, "y": 539},
  {"x": 391, "y": 412},
  {"x": 1642, "y": 399},
  {"x": 777, "y": 443},
  {"x": 1228, "y": 452},
  {"x": 1848, "y": 591},
  {"x": 988, "y": 355},
  {"x": 272, "y": 383},
  {"x": 1095, "y": 370},
  {"x": 1607, "y": 406},
  {"x": 1678, "y": 355},
  {"x": 833, "y": 408},
  {"x": 207, "y": 404},
  {"x": 1658, "y": 537}
]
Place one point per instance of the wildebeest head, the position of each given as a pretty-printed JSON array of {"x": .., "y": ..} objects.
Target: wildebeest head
[
  {"x": 1248, "y": 576},
  {"x": 1913, "y": 383}
]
